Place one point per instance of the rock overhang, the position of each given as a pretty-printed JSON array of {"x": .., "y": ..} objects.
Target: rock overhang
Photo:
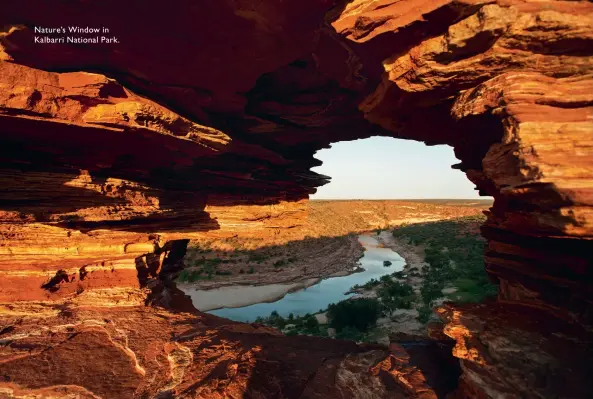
[{"x": 109, "y": 148}]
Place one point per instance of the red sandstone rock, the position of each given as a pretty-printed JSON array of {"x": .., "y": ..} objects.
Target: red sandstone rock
[
  {"x": 206, "y": 107},
  {"x": 517, "y": 351},
  {"x": 138, "y": 351}
]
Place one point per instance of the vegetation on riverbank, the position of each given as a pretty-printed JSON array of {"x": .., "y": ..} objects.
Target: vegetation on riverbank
[
  {"x": 207, "y": 262},
  {"x": 204, "y": 269},
  {"x": 454, "y": 271},
  {"x": 395, "y": 295},
  {"x": 358, "y": 314},
  {"x": 350, "y": 319},
  {"x": 454, "y": 250},
  {"x": 291, "y": 325},
  {"x": 320, "y": 245}
]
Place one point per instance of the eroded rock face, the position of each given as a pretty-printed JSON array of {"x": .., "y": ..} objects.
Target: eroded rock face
[
  {"x": 124, "y": 352},
  {"x": 204, "y": 120},
  {"x": 510, "y": 350}
]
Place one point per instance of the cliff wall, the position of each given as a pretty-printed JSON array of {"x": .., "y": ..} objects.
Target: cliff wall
[{"x": 205, "y": 118}]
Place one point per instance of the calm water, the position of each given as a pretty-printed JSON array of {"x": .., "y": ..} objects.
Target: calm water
[{"x": 329, "y": 290}]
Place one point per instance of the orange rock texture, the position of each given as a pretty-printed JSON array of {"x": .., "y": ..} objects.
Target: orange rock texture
[{"x": 204, "y": 119}]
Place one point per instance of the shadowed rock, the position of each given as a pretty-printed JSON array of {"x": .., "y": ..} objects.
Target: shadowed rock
[{"x": 207, "y": 115}]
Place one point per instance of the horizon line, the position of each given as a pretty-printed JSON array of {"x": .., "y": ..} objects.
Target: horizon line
[{"x": 400, "y": 199}]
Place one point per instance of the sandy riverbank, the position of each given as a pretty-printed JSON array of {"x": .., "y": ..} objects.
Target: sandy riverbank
[
  {"x": 401, "y": 320},
  {"x": 240, "y": 295},
  {"x": 413, "y": 255},
  {"x": 288, "y": 264},
  {"x": 322, "y": 245}
]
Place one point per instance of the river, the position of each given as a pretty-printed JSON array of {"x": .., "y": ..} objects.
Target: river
[{"x": 300, "y": 298}]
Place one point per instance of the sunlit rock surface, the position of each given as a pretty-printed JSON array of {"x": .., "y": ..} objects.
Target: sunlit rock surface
[
  {"x": 510, "y": 350},
  {"x": 124, "y": 352},
  {"x": 205, "y": 119}
]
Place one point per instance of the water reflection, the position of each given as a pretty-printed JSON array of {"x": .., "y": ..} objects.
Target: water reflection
[{"x": 309, "y": 300}]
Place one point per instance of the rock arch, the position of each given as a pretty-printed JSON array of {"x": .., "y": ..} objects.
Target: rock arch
[{"x": 108, "y": 154}]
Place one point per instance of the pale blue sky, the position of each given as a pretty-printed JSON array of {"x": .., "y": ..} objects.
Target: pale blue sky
[{"x": 388, "y": 168}]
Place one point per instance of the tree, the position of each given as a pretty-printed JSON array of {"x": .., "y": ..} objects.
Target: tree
[
  {"x": 359, "y": 313},
  {"x": 430, "y": 291},
  {"x": 349, "y": 333},
  {"x": 276, "y": 320},
  {"x": 311, "y": 324},
  {"x": 424, "y": 313},
  {"x": 396, "y": 295}
]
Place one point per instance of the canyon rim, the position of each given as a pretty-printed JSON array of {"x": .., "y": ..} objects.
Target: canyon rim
[{"x": 114, "y": 155}]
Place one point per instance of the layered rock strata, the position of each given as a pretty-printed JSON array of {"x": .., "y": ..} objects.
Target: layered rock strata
[
  {"x": 205, "y": 119},
  {"x": 90, "y": 352}
]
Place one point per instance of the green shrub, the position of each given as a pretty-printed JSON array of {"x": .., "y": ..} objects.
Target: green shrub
[
  {"x": 192, "y": 275},
  {"x": 399, "y": 274},
  {"x": 276, "y": 320},
  {"x": 369, "y": 284},
  {"x": 456, "y": 257},
  {"x": 359, "y": 313},
  {"x": 310, "y": 324},
  {"x": 257, "y": 257},
  {"x": 469, "y": 290},
  {"x": 424, "y": 314},
  {"x": 183, "y": 276},
  {"x": 396, "y": 295},
  {"x": 350, "y": 333},
  {"x": 431, "y": 290}
]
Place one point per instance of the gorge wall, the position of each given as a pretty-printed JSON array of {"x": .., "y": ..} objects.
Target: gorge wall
[{"x": 204, "y": 120}]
